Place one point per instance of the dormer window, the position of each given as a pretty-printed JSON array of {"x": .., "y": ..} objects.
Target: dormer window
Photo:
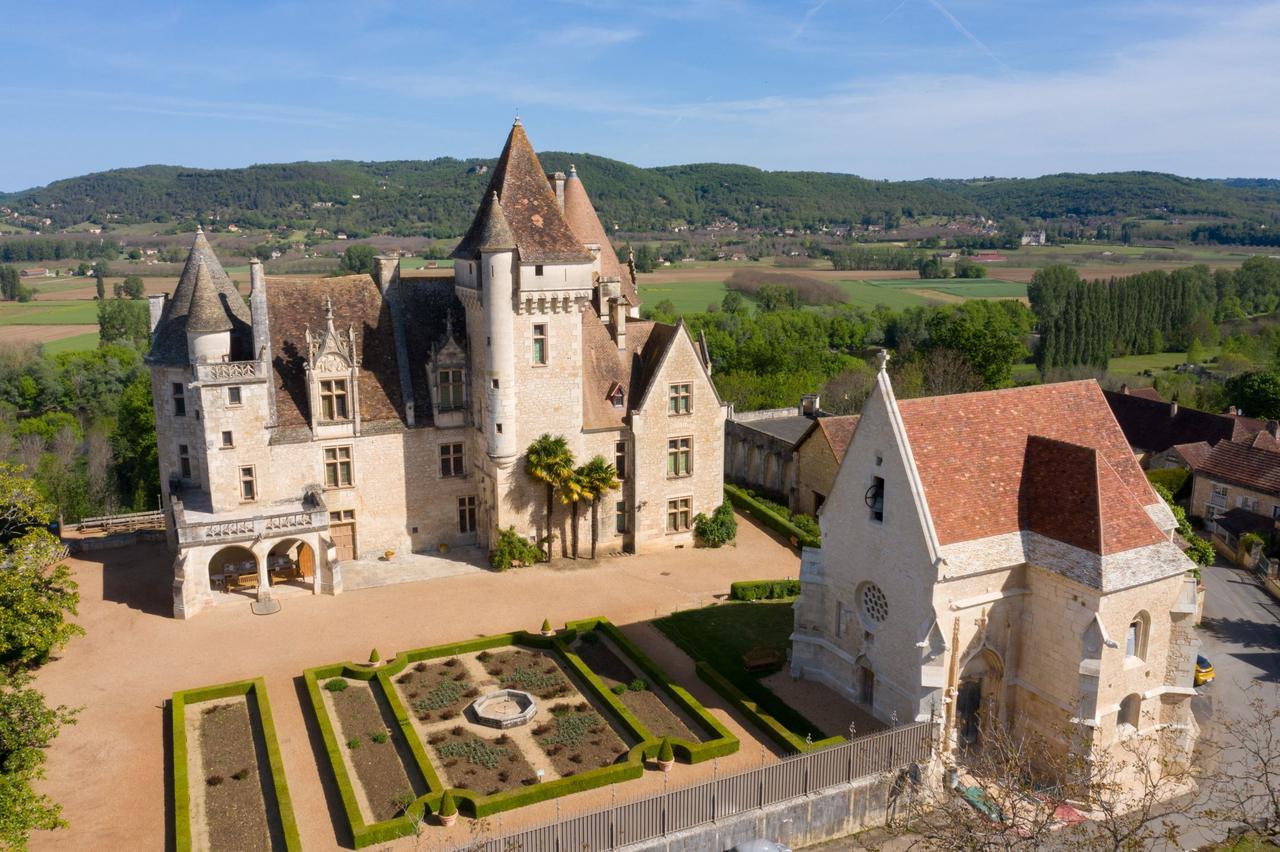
[
  {"x": 617, "y": 397},
  {"x": 333, "y": 399},
  {"x": 453, "y": 389}
]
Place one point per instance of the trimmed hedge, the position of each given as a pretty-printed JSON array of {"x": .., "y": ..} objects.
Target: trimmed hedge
[
  {"x": 763, "y": 720},
  {"x": 764, "y": 590},
  {"x": 476, "y": 804},
  {"x": 1172, "y": 478},
  {"x": 744, "y": 501},
  {"x": 254, "y": 690}
]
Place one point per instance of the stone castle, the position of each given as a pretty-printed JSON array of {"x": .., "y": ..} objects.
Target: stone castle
[{"x": 335, "y": 419}]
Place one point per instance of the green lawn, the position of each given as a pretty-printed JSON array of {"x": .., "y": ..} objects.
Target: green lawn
[
  {"x": 77, "y": 312},
  {"x": 719, "y": 635},
  {"x": 60, "y": 285},
  {"x": 980, "y": 288},
  {"x": 891, "y": 293},
  {"x": 78, "y": 343},
  {"x": 688, "y": 296}
]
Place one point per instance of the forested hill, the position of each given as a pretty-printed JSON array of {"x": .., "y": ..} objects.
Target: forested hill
[{"x": 438, "y": 197}]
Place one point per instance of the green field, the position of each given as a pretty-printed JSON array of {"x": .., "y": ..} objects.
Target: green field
[
  {"x": 689, "y": 297},
  {"x": 892, "y": 294},
  {"x": 1129, "y": 368},
  {"x": 79, "y": 343},
  {"x": 78, "y": 312},
  {"x": 980, "y": 288}
]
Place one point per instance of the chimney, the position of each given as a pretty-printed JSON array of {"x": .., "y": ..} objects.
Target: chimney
[
  {"x": 1273, "y": 428},
  {"x": 557, "y": 181},
  {"x": 618, "y": 322},
  {"x": 258, "y": 310},
  {"x": 1173, "y": 408},
  {"x": 1124, "y": 388},
  {"x": 156, "y": 303},
  {"x": 386, "y": 271},
  {"x": 1232, "y": 412}
]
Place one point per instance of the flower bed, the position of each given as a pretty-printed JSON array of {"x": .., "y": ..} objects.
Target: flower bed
[
  {"x": 581, "y": 736},
  {"x": 368, "y": 738},
  {"x": 228, "y": 779},
  {"x": 623, "y": 679}
]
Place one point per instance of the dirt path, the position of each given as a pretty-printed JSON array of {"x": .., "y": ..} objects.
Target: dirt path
[{"x": 110, "y": 773}]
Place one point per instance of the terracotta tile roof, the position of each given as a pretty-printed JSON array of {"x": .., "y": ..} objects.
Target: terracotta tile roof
[
  {"x": 1145, "y": 393},
  {"x": 604, "y": 365},
  {"x": 169, "y": 345},
  {"x": 1192, "y": 454},
  {"x": 839, "y": 432},
  {"x": 585, "y": 224},
  {"x": 1264, "y": 440},
  {"x": 1155, "y": 426},
  {"x": 530, "y": 207},
  {"x": 294, "y": 304},
  {"x": 1241, "y": 464},
  {"x": 971, "y": 451}
]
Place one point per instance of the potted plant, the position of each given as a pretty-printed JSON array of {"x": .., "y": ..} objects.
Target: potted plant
[
  {"x": 666, "y": 755},
  {"x": 374, "y": 657},
  {"x": 387, "y": 555},
  {"x": 448, "y": 809},
  {"x": 443, "y": 547},
  {"x": 546, "y": 628}
]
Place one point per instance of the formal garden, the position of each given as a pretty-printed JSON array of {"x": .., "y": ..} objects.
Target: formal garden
[
  {"x": 228, "y": 779},
  {"x": 495, "y": 723}
]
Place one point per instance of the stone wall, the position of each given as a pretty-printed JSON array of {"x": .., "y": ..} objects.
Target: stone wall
[
  {"x": 1202, "y": 490},
  {"x": 816, "y": 467}
]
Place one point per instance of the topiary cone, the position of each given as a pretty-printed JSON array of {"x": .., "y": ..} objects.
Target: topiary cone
[
  {"x": 546, "y": 627},
  {"x": 448, "y": 809},
  {"x": 373, "y": 656},
  {"x": 666, "y": 755}
]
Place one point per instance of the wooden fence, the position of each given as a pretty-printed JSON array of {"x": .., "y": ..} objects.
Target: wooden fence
[
  {"x": 721, "y": 798},
  {"x": 123, "y": 523}
]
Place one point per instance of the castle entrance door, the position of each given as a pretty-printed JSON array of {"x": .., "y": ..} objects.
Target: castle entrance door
[{"x": 344, "y": 540}]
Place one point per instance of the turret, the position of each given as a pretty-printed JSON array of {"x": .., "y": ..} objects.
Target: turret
[
  {"x": 208, "y": 326},
  {"x": 497, "y": 247}
]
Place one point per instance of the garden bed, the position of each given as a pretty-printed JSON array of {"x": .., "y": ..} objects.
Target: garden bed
[
  {"x": 434, "y": 691},
  {"x": 576, "y": 739},
  {"x": 658, "y": 717},
  {"x": 368, "y": 737},
  {"x": 229, "y": 787},
  {"x": 488, "y": 766}
]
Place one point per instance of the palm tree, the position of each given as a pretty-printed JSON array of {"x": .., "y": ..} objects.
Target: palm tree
[
  {"x": 549, "y": 461},
  {"x": 599, "y": 478},
  {"x": 573, "y": 490}
]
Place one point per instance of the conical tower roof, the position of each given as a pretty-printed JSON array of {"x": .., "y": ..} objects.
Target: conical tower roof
[
  {"x": 585, "y": 224},
  {"x": 206, "y": 314},
  {"x": 169, "y": 345},
  {"x": 495, "y": 233},
  {"x": 529, "y": 205}
]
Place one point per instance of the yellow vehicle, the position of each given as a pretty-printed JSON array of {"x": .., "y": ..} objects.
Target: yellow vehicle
[{"x": 1204, "y": 671}]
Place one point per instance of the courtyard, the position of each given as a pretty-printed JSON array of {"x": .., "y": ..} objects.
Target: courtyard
[{"x": 134, "y": 656}]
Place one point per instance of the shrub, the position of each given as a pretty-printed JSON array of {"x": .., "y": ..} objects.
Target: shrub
[
  {"x": 618, "y": 688},
  {"x": 336, "y": 684},
  {"x": 240, "y": 774},
  {"x": 1200, "y": 551},
  {"x": 354, "y": 742},
  {"x": 511, "y": 548},
  {"x": 448, "y": 807},
  {"x": 381, "y": 737},
  {"x": 718, "y": 529},
  {"x": 638, "y": 685},
  {"x": 807, "y": 524},
  {"x": 764, "y": 590},
  {"x": 1172, "y": 479},
  {"x": 546, "y": 625},
  {"x": 373, "y": 656},
  {"x": 773, "y": 515},
  {"x": 665, "y": 752},
  {"x": 1250, "y": 540},
  {"x": 213, "y": 780}
]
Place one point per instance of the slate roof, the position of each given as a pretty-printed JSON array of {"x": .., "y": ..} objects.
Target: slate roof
[
  {"x": 585, "y": 224},
  {"x": 207, "y": 314},
  {"x": 977, "y": 453},
  {"x": 1241, "y": 521},
  {"x": 1241, "y": 464},
  {"x": 169, "y": 343},
  {"x": 791, "y": 429},
  {"x": 1155, "y": 426},
  {"x": 529, "y": 205}
]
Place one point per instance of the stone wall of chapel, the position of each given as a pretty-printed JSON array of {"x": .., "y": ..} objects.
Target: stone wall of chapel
[
  {"x": 892, "y": 554},
  {"x": 653, "y": 426}
]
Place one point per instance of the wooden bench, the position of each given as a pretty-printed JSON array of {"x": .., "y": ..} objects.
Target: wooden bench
[{"x": 758, "y": 659}]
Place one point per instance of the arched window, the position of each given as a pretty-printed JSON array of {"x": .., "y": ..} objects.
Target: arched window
[
  {"x": 1135, "y": 640},
  {"x": 1130, "y": 711}
]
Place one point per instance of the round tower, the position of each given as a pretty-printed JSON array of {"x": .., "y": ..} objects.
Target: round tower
[
  {"x": 208, "y": 326},
  {"x": 497, "y": 282}
]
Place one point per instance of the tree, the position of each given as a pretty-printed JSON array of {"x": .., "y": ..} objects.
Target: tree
[
  {"x": 548, "y": 460},
  {"x": 36, "y": 594},
  {"x": 847, "y": 391},
  {"x": 124, "y": 320},
  {"x": 358, "y": 259},
  {"x": 133, "y": 443},
  {"x": 21, "y": 506},
  {"x": 1195, "y": 352},
  {"x": 9, "y": 283},
  {"x": 573, "y": 490},
  {"x": 598, "y": 478},
  {"x": 947, "y": 371},
  {"x": 133, "y": 287},
  {"x": 1256, "y": 394},
  {"x": 101, "y": 270},
  {"x": 1246, "y": 783},
  {"x": 27, "y": 727}
]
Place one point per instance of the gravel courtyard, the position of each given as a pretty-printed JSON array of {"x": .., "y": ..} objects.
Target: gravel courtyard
[{"x": 109, "y": 770}]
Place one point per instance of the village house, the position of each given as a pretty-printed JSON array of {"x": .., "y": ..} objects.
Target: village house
[
  {"x": 1160, "y": 432},
  {"x": 1235, "y": 489},
  {"x": 998, "y": 558},
  {"x": 335, "y": 419},
  {"x": 818, "y": 456}
]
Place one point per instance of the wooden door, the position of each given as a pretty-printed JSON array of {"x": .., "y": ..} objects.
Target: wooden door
[
  {"x": 344, "y": 540},
  {"x": 306, "y": 562}
]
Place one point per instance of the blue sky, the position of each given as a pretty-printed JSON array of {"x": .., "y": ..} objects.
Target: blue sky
[{"x": 886, "y": 89}]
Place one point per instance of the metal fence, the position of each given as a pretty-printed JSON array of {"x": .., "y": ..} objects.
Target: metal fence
[{"x": 721, "y": 798}]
